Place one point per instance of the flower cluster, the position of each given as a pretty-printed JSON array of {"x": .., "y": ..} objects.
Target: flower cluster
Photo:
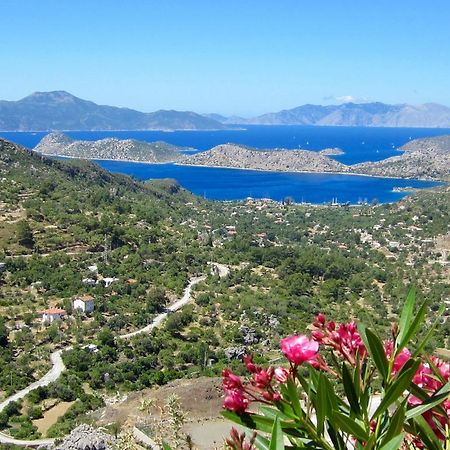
[
  {"x": 431, "y": 379},
  {"x": 344, "y": 340},
  {"x": 260, "y": 388}
]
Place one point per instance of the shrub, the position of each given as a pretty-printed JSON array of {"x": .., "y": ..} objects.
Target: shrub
[{"x": 344, "y": 388}]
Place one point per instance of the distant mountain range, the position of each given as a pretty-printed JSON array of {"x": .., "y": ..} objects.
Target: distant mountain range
[
  {"x": 59, "y": 110},
  {"x": 428, "y": 115}
]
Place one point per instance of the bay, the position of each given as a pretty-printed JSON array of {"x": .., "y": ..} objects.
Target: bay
[
  {"x": 234, "y": 184},
  {"x": 359, "y": 144}
]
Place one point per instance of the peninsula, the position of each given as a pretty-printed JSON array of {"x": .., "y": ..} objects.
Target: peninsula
[{"x": 427, "y": 158}]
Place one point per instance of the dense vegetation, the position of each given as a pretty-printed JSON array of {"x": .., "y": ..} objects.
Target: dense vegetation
[{"x": 287, "y": 263}]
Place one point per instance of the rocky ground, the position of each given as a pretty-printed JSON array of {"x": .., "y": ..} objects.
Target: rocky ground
[{"x": 85, "y": 437}]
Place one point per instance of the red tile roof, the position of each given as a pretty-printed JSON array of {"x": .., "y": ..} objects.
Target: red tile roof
[
  {"x": 85, "y": 298},
  {"x": 53, "y": 311}
]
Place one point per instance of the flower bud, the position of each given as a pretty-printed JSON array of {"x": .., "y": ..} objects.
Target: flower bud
[{"x": 281, "y": 375}]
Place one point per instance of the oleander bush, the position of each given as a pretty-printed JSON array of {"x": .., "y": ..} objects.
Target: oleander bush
[{"x": 345, "y": 388}]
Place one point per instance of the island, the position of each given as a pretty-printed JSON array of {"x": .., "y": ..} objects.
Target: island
[
  {"x": 335, "y": 151},
  {"x": 58, "y": 144},
  {"x": 278, "y": 160}
]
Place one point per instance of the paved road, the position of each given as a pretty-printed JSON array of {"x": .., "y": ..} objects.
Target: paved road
[
  {"x": 58, "y": 365},
  {"x": 52, "y": 375},
  {"x": 175, "y": 306}
]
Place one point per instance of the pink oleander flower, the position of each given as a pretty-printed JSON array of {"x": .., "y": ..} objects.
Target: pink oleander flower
[
  {"x": 425, "y": 378},
  {"x": 231, "y": 381},
  {"x": 442, "y": 367},
  {"x": 299, "y": 349},
  {"x": 248, "y": 361},
  {"x": 320, "y": 318},
  {"x": 236, "y": 401},
  {"x": 281, "y": 375},
  {"x": 262, "y": 378},
  {"x": 400, "y": 359},
  {"x": 345, "y": 340},
  {"x": 271, "y": 396}
]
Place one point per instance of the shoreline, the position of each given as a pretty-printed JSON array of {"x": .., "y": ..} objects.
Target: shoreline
[
  {"x": 104, "y": 159},
  {"x": 308, "y": 172}
]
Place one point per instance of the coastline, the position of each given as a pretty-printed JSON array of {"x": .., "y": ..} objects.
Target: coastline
[
  {"x": 104, "y": 159},
  {"x": 308, "y": 172}
]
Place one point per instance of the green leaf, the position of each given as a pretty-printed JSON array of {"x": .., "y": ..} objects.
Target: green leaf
[
  {"x": 412, "y": 328},
  {"x": 430, "y": 332},
  {"x": 335, "y": 437},
  {"x": 166, "y": 446},
  {"x": 405, "y": 317},
  {"x": 396, "y": 423},
  {"x": 431, "y": 402},
  {"x": 350, "y": 390},
  {"x": 260, "y": 423},
  {"x": 376, "y": 350},
  {"x": 276, "y": 441},
  {"x": 262, "y": 443},
  {"x": 321, "y": 404},
  {"x": 294, "y": 398},
  {"x": 394, "y": 443},
  {"x": 396, "y": 389},
  {"x": 426, "y": 434},
  {"x": 273, "y": 413},
  {"x": 350, "y": 426},
  {"x": 252, "y": 421}
]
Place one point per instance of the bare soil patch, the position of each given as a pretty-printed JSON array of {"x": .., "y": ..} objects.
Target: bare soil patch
[{"x": 51, "y": 416}]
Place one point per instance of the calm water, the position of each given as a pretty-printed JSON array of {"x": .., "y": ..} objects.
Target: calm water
[
  {"x": 230, "y": 184},
  {"x": 359, "y": 144}
]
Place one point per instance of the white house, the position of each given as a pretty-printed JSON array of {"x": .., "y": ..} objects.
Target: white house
[
  {"x": 84, "y": 303},
  {"x": 108, "y": 281},
  {"x": 51, "y": 314}
]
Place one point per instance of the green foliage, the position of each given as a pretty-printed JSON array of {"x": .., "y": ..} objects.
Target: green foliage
[{"x": 24, "y": 234}]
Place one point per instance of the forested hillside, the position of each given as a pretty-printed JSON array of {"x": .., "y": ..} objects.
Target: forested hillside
[{"x": 71, "y": 229}]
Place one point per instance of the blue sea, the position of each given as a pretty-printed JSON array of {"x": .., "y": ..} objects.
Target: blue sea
[{"x": 359, "y": 144}]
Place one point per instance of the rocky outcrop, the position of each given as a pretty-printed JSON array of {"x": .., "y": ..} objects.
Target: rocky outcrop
[
  {"x": 278, "y": 160},
  {"x": 332, "y": 151},
  {"x": 85, "y": 437},
  {"x": 110, "y": 148}
]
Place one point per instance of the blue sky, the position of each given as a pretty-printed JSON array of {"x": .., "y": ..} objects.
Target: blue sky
[{"x": 228, "y": 56}]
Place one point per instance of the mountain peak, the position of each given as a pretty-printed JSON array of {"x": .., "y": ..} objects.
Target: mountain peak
[
  {"x": 60, "y": 110},
  {"x": 52, "y": 96}
]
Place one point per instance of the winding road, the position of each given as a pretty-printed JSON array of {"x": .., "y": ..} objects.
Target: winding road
[{"x": 58, "y": 366}]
